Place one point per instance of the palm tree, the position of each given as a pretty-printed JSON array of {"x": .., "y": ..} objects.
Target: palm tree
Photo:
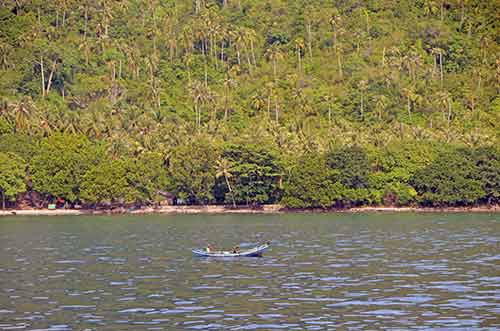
[
  {"x": 258, "y": 102},
  {"x": 336, "y": 23},
  {"x": 22, "y": 111},
  {"x": 238, "y": 38},
  {"x": 444, "y": 99},
  {"x": 274, "y": 54},
  {"x": 299, "y": 46},
  {"x": 338, "y": 50},
  {"x": 412, "y": 62},
  {"x": 197, "y": 93},
  {"x": 201, "y": 95},
  {"x": 367, "y": 18},
  {"x": 438, "y": 53},
  {"x": 380, "y": 105},
  {"x": 396, "y": 58},
  {"x": 270, "y": 88},
  {"x": 327, "y": 99},
  {"x": 309, "y": 21},
  {"x": 223, "y": 169},
  {"x": 362, "y": 86},
  {"x": 409, "y": 93},
  {"x": 430, "y": 7},
  {"x": 69, "y": 122},
  {"x": 188, "y": 60},
  {"x": 5, "y": 50},
  {"x": 300, "y": 101},
  {"x": 229, "y": 84},
  {"x": 251, "y": 37},
  {"x": 471, "y": 98},
  {"x": 46, "y": 126}
]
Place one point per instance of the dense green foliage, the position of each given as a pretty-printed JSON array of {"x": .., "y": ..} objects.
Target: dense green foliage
[
  {"x": 254, "y": 171},
  {"x": 449, "y": 180},
  {"x": 106, "y": 183},
  {"x": 125, "y": 180},
  {"x": 310, "y": 184},
  {"x": 61, "y": 162},
  {"x": 192, "y": 171},
  {"x": 12, "y": 173},
  {"x": 311, "y": 103}
]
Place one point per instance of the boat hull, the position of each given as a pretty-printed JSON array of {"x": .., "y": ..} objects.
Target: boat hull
[{"x": 254, "y": 252}]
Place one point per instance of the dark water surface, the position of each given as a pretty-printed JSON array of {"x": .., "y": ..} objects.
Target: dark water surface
[{"x": 324, "y": 272}]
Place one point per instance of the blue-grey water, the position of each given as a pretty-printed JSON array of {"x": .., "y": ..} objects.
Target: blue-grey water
[{"x": 324, "y": 272}]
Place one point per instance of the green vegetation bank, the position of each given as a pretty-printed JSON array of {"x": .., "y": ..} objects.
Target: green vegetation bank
[{"x": 305, "y": 103}]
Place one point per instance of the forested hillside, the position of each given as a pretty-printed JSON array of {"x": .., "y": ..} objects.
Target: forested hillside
[{"x": 309, "y": 103}]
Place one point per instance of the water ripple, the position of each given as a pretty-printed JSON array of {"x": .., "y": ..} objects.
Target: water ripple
[{"x": 324, "y": 272}]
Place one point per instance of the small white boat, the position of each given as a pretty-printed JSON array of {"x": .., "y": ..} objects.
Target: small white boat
[{"x": 256, "y": 251}]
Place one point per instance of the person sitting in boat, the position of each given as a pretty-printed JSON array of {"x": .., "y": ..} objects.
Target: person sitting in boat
[
  {"x": 236, "y": 249},
  {"x": 210, "y": 248}
]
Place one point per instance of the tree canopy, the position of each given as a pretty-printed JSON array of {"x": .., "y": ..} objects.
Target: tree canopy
[
  {"x": 12, "y": 176},
  {"x": 221, "y": 101}
]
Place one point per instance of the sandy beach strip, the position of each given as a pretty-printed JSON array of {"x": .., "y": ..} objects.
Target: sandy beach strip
[{"x": 224, "y": 209}]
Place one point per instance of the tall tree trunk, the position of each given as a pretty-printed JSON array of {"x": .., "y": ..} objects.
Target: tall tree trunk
[
  {"x": 212, "y": 46},
  {"x": 196, "y": 113},
  {"x": 230, "y": 190},
  {"x": 215, "y": 55},
  {"x": 276, "y": 110},
  {"x": 362, "y": 106},
  {"x": 249, "y": 62},
  {"x": 238, "y": 54},
  {"x": 222, "y": 51},
  {"x": 269, "y": 105},
  {"x": 206, "y": 75},
  {"x": 49, "y": 83},
  {"x": 462, "y": 13},
  {"x": 335, "y": 40},
  {"x": 43, "y": 76},
  {"x": 199, "y": 116},
  {"x": 309, "y": 40},
  {"x": 274, "y": 68},
  {"x": 434, "y": 67},
  {"x": 441, "y": 67},
  {"x": 253, "y": 53},
  {"x": 226, "y": 101},
  {"x": 85, "y": 23},
  {"x": 408, "y": 101},
  {"x": 339, "y": 63},
  {"x": 299, "y": 60},
  {"x": 113, "y": 71},
  {"x": 449, "y": 113}
]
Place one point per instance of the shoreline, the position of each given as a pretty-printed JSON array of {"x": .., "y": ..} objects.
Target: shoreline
[{"x": 221, "y": 209}]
